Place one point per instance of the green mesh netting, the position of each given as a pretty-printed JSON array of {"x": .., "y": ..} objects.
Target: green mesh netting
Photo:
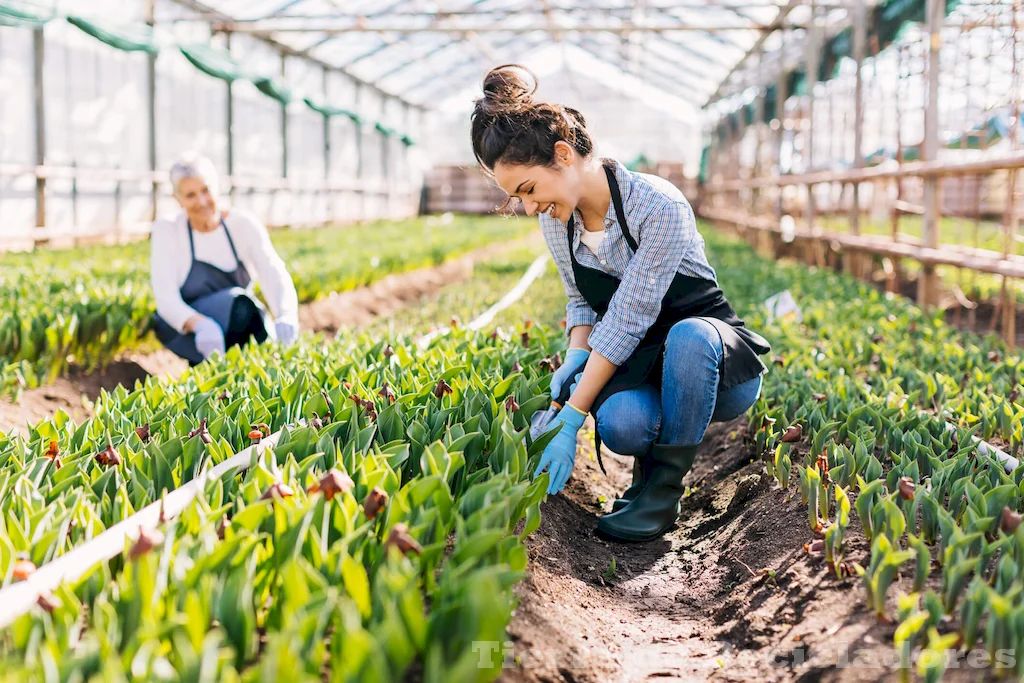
[
  {"x": 407, "y": 141},
  {"x": 127, "y": 37},
  {"x": 25, "y": 14},
  {"x": 271, "y": 87},
  {"x": 384, "y": 130},
  {"x": 887, "y": 23},
  {"x": 705, "y": 161},
  {"x": 330, "y": 111},
  {"x": 212, "y": 62},
  {"x": 985, "y": 134}
]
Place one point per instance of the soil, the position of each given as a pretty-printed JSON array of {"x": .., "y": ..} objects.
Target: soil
[
  {"x": 698, "y": 604},
  {"x": 76, "y": 392}
]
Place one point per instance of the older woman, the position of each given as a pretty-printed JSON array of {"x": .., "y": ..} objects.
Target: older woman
[{"x": 203, "y": 265}]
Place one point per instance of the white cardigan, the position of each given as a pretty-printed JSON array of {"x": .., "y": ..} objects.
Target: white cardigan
[{"x": 171, "y": 260}]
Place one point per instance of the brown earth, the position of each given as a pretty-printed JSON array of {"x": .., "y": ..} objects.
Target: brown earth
[
  {"x": 76, "y": 392},
  {"x": 699, "y": 604}
]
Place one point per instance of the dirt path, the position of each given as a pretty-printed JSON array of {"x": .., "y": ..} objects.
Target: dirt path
[
  {"x": 696, "y": 605},
  {"x": 75, "y": 393}
]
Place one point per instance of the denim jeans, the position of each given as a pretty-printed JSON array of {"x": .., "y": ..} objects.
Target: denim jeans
[{"x": 689, "y": 400}]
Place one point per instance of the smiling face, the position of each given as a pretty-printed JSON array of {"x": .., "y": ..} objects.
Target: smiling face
[
  {"x": 554, "y": 190},
  {"x": 199, "y": 201}
]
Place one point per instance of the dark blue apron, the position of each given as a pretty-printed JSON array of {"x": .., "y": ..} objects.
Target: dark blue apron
[
  {"x": 219, "y": 295},
  {"x": 687, "y": 297}
]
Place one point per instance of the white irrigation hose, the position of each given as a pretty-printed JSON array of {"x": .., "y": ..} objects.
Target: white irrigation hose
[
  {"x": 1009, "y": 462},
  {"x": 18, "y": 598},
  {"x": 535, "y": 270}
]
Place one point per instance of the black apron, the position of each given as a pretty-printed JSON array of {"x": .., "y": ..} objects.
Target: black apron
[
  {"x": 687, "y": 297},
  {"x": 210, "y": 291}
]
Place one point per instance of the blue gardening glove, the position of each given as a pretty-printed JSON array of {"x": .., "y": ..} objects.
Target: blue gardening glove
[
  {"x": 560, "y": 453},
  {"x": 574, "y": 361},
  {"x": 286, "y": 331},
  {"x": 575, "y": 381},
  {"x": 209, "y": 337}
]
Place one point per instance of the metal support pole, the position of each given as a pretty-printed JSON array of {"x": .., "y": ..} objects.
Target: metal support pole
[
  {"x": 38, "y": 57},
  {"x": 812, "y": 58},
  {"x": 927, "y": 285},
  {"x": 780, "y": 114},
  {"x": 284, "y": 126},
  {"x": 230, "y": 125},
  {"x": 1008, "y": 294},
  {"x": 327, "y": 131},
  {"x": 755, "y": 195},
  {"x": 860, "y": 35},
  {"x": 151, "y": 110},
  {"x": 360, "y": 170}
]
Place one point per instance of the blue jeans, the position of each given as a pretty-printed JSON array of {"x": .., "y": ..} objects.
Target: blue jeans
[{"x": 689, "y": 400}]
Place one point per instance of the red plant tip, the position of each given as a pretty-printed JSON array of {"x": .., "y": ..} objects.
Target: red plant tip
[
  {"x": 528, "y": 323},
  {"x": 547, "y": 364},
  {"x": 493, "y": 335},
  {"x": 23, "y": 569},
  {"x": 767, "y": 422},
  {"x": 224, "y": 396},
  {"x": 332, "y": 483},
  {"x": 143, "y": 433},
  {"x": 557, "y": 359},
  {"x": 222, "y": 527},
  {"x": 52, "y": 451},
  {"x": 906, "y": 488},
  {"x": 146, "y": 541},
  {"x": 316, "y": 422},
  {"x": 1010, "y": 520},
  {"x": 1014, "y": 395},
  {"x": 815, "y": 547},
  {"x": 376, "y": 500},
  {"x": 819, "y": 397},
  {"x": 277, "y": 489},
  {"x": 878, "y": 338},
  {"x": 525, "y": 337},
  {"x": 108, "y": 456},
  {"x": 516, "y": 367},
  {"x": 201, "y": 432},
  {"x": 454, "y": 322},
  {"x": 912, "y": 327},
  {"x": 442, "y": 388},
  {"x": 48, "y": 603},
  {"x": 388, "y": 352},
  {"x": 255, "y": 435},
  {"x": 347, "y": 385},
  {"x": 387, "y": 393},
  {"x": 511, "y": 405},
  {"x": 400, "y": 538},
  {"x": 561, "y": 323},
  {"x": 779, "y": 360},
  {"x": 793, "y": 434},
  {"x": 993, "y": 356},
  {"x": 823, "y": 465}
]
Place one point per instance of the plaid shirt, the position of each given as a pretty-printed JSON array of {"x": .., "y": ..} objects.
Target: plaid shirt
[{"x": 662, "y": 223}]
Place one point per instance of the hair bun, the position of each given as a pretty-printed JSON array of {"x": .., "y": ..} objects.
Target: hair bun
[{"x": 507, "y": 91}]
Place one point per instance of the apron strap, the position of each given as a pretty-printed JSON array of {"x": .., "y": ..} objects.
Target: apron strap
[
  {"x": 231, "y": 242},
  {"x": 191, "y": 243},
  {"x": 620, "y": 212}
]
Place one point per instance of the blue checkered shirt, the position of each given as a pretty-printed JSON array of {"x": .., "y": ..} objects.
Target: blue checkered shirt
[{"x": 662, "y": 223}]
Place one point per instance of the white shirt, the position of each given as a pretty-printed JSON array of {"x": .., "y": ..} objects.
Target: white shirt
[
  {"x": 592, "y": 239},
  {"x": 171, "y": 260}
]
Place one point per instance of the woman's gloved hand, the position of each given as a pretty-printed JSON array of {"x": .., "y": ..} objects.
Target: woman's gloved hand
[
  {"x": 574, "y": 361},
  {"x": 560, "y": 454},
  {"x": 209, "y": 337},
  {"x": 287, "y": 331}
]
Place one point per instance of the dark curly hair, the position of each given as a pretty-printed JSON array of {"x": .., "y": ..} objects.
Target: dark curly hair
[{"x": 509, "y": 126}]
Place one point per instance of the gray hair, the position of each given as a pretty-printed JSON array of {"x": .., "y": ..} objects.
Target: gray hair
[{"x": 193, "y": 165}]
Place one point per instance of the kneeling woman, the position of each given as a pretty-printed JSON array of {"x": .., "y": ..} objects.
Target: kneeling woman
[
  {"x": 202, "y": 267},
  {"x": 656, "y": 352}
]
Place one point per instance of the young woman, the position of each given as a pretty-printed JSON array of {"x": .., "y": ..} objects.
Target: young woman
[
  {"x": 202, "y": 266},
  {"x": 656, "y": 352}
]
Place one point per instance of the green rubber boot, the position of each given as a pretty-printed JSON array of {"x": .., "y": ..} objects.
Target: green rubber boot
[
  {"x": 636, "y": 487},
  {"x": 656, "y": 508}
]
